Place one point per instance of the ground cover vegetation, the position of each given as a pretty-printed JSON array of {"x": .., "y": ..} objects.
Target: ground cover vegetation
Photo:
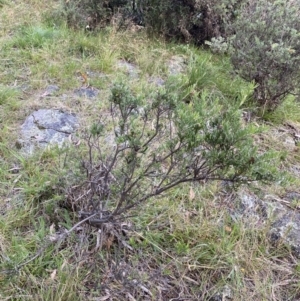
[{"x": 137, "y": 206}]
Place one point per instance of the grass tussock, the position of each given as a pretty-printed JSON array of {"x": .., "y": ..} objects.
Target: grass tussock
[{"x": 182, "y": 246}]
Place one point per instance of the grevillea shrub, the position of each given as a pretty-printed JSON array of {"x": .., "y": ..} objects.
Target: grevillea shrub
[{"x": 142, "y": 149}]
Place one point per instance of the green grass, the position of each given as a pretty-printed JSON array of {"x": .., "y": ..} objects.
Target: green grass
[
  {"x": 288, "y": 110},
  {"x": 33, "y": 37},
  {"x": 183, "y": 244},
  {"x": 9, "y": 96}
]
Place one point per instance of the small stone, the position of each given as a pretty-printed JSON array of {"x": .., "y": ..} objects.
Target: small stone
[
  {"x": 224, "y": 294},
  {"x": 131, "y": 69},
  {"x": 44, "y": 127},
  {"x": 24, "y": 87},
  {"x": 86, "y": 92},
  {"x": 96, "y": 74},
  {"x": 176, "y": 65},
  {"x": 157, "y": 81},
  {"x": 52, "y": 89},
  {"x": 292, "y": 196},
  {"x": 287, "y": 229}
]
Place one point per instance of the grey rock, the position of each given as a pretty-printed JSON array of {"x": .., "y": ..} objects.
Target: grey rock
[
  {"x": 292, "y": 196},
  {"x": 287, "y": 229},
  {"x": 44, "y": 127},
  {"x": 50, "y": 90},
  {"x": 287, "y": 140},
  {"x": 176, "y": 65},
  {"x": 295, "y": 170},
  {"x": 224, "y": 294},
  {"x": 24, "y": 87},
  {"x": 96, "y": 74},
  {"x": 110, "y": 140},
  {"x": 131, "y": 69},
  {"x": 86, "y": 92},
  {"x": 250, "y": 209},
  {"x": 285, "y": 221},
  {"x": 157, "y": 81}
]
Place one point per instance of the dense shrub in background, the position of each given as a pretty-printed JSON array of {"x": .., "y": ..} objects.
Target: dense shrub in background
[
  {"x": 266, "y": 48},
  {"x": 190, "y": 20},
  {"x": 92, "y": 13},
  {"x": 186, "y": 20}
]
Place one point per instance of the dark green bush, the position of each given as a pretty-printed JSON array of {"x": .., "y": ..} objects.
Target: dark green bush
[
  {"x": 186, "y": 20},
  {"x": 266, "y": 49},
  {"x": 189, "y": 20},
  {"x": 93, "y": 13}
]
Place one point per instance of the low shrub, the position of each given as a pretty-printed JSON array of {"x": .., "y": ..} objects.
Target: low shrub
[{"x": 143, "y": 149}]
